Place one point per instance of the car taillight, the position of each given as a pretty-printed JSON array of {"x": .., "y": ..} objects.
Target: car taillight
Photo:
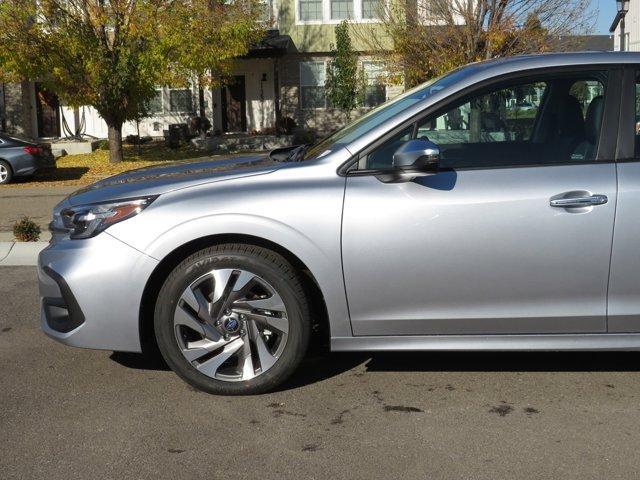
[{"x": 32, "y": 150}]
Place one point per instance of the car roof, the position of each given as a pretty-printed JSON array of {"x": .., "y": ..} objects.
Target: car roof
[
  {"x": 497, "y": 66},
  {"x": 565, "y": 58},
  {"x": 476, "y": 72}
]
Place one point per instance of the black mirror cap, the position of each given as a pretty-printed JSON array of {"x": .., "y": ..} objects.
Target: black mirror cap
[
  {"x": 417, "y": 155},
  {"x": 414, "y": 158},
  {"x": 426, "y": 163}
]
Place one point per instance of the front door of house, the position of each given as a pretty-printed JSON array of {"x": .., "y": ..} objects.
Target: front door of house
[
  {"x": 48, "y": 113},
  {"x": 234, "y": 105}
]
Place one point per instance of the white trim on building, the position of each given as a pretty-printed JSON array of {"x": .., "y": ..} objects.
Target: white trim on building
[
  {"x": 355, "y": 12},
  {"x": 152, "y": 126}
]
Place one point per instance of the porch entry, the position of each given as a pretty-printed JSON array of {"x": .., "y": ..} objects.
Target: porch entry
[
  {"x": 47, "y": 112},
  {"x": 234, "y": 105}
]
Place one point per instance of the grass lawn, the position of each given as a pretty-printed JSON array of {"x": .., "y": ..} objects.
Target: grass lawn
[{"x": 90, "y": 167}]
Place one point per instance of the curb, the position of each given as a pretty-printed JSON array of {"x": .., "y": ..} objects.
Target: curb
[{"x": 15, "y": 254}]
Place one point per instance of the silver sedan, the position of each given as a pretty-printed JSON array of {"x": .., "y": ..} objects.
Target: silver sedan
[{"x": 449, "y": 218}]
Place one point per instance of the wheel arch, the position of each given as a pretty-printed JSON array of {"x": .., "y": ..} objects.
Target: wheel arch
[
  {"x": 320, "y": 319},
  {"x": 8, "y": 163}
]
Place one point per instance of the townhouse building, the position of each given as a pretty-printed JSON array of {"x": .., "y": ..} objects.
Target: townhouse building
[{"x": 278, "y": 86}]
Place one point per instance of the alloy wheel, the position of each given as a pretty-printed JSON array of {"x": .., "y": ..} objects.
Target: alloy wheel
[
  {"x": 231, "y": 325},
  {"x": 4, "y": 173}
]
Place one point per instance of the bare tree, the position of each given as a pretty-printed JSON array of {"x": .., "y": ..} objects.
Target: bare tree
[{"x": 420, "y": 39}]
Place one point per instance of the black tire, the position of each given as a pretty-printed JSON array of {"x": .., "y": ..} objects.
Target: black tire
[
  {"x": 9, "y": 176},
  {"x": 268, "y": 265}
]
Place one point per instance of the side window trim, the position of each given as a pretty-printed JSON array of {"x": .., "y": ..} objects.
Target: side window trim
[
  {"x": 610, "y": 116},
  {"x": 544, "y": 106},
  {"x": 611, "y": 110},
  {"x": 625, "y": 142}
]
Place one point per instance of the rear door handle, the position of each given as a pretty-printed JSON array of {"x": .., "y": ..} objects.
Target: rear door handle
[{"x": 577, "y": 202}]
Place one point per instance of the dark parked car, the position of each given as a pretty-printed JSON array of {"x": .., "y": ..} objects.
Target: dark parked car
[{"x": 19, "y": 158}]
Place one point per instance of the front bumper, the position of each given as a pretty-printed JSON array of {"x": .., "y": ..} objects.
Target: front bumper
[{"x": 91, "y": 292}]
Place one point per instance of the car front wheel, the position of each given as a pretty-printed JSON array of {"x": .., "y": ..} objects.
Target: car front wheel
[{"x": 233, "y": 320}]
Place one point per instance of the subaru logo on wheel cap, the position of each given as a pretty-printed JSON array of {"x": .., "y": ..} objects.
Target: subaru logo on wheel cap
[{"x": 231, "y": 325}]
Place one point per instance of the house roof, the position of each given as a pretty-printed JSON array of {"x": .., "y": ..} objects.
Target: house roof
[{"x": 588, "y": 43}]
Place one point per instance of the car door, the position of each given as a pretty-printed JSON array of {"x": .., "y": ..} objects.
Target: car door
[
  {"x": 624, "y": 288},
  {"x": 514, "y": 233}
]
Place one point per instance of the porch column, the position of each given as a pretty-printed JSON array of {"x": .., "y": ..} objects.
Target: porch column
[{"x": 276, "y": 98}]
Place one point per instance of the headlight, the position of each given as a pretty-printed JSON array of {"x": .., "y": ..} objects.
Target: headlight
[{"x": 85, "y": 221}]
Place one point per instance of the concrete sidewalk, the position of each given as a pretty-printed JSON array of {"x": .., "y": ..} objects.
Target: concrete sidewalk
[
  {"x": 20, "y": 253},
  {"x": 35, "y": 203}
]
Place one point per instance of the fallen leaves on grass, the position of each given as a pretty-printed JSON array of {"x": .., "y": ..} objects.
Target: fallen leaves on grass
[{"x": 89, "y": 167}]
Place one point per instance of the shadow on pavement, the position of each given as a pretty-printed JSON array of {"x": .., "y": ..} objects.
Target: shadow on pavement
[
  {"x": 315, "y": 367},
  {"x": 504, "y": 362},
  {"x": 54, "y": 175},
  {"x": 318, "y": 367},
  {"x": 140, "y": 361}
]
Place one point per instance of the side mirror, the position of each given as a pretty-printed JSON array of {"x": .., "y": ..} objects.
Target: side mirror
[
  {"x": 286, "y": 154},
  {"x": 414, "y": 158}
]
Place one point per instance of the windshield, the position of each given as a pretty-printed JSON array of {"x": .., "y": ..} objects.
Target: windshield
[{"x": 384, "y": 112}]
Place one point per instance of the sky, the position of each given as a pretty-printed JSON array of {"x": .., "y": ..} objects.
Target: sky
[{"x": 606, "y": 12}]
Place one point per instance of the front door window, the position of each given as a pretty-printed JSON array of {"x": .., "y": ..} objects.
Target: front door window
[{"x": 529, "y": 122}]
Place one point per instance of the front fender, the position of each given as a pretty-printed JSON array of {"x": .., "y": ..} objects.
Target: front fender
[
  {"x": 266, "y": 228},
  {"x": 321, "y": 257},
  {"x": 299, "y": 209}
]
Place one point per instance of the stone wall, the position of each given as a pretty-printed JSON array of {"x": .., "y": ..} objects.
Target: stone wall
[
  {"x": 321, "y": 121},
  {"x": 16, "y": 109}
]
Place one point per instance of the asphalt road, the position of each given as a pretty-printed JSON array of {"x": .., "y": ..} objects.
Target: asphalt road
[
  {"x": 67, "y": 413},
  {"x": 36, "y": 203}
]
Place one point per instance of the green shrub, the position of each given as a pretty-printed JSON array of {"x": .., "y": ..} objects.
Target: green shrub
[
  {"x": 26, "y": 230},
  {"x": 103, "y": 145},
  {"x": 303, "y": 137}
]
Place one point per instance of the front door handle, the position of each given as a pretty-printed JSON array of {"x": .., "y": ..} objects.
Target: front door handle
[{"x": 577, "y": 202}]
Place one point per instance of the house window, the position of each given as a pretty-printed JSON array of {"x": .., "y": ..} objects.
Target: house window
[
  {"x": 265, "y": 11},
  {"x": 312, "y": 90},
  {"x": 180, "y": 100},
  {"x": 154, "y": 104},
  {"x": 341, "y": 9},
  {"x": 375, "y": 90},
  {"x": 371, "y": 9},
  {"x": 310, "y": 10},
  {"x": 334, "y": 11}
]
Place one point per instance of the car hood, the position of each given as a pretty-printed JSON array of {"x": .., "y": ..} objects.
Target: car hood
[{"x": 172, "y": 176}]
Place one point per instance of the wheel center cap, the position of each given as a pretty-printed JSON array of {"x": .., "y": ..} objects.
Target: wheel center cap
[{"x": 231, "y": 325}]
